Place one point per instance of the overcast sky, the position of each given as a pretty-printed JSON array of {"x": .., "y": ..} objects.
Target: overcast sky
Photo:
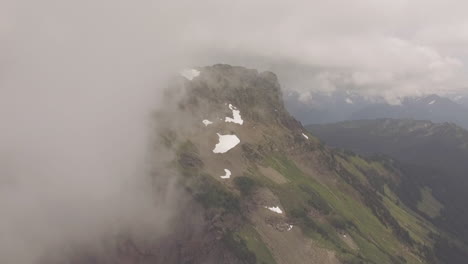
[{"x": 388, "y": 48}]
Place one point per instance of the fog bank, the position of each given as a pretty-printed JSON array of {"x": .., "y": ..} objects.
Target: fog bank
[{"x": 78, "y": 83}]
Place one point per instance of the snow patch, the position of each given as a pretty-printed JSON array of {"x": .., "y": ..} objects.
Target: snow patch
[
  {"x": 432, "y": 102},
  {"x": 275, "y": 209},
  {"x": 226, "y": 142},
  {"x": 304, "y": 135},
  {"x": 290, "y": 227},
  {"x": 349, "y": 101},
  {"x": 207, "y": 122},
  {"x": 190, "y": 73},
  {"x": 227, "y": 175},
  {"x": 236, "y": 116}
]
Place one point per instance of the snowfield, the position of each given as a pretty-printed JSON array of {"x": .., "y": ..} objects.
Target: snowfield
[
  {"x": 275, "y": 209},
  {"x": 190, "y": 73},
  {"x": 236, "y": 117},
  {"x": 226, "y": 142},
  {"x": 207, "y": 122},
  {"x": 227, "y": 175},
  {"x": 304, "y": 135}
]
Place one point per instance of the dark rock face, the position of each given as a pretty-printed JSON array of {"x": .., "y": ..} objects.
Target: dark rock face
[
  {"x": 190, "y": 161},
  {"x": 259, "y": 94}
]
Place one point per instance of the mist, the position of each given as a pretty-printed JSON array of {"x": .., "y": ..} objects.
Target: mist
[{"x": 78, "y": 83}]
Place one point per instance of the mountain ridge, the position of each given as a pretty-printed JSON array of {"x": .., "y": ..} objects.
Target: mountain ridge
[
  {"x": 297, "y": 199},
  {"x": 338, "y": 108},
  {"x": 432, "y": 156}
]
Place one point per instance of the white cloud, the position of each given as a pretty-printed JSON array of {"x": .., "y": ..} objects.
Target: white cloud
[{"x": 381, "y": 48}]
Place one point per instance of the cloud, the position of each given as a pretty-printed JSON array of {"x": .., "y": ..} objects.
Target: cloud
[
  {"x": 381, "y": 48},
  {"x": 78, "y": 83}
]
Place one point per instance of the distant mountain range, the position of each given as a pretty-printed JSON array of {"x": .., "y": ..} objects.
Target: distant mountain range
[
  {"x": 340, "y": 108},
  {"x": 434, "y": 158},
  {"x": 460, "y": 99},
  {"x": 433, "y": 108}
]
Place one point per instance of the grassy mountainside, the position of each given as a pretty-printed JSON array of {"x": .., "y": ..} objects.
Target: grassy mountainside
[
  {"x": 328, "y": 206},
  {"x": 432, "y": 158}
]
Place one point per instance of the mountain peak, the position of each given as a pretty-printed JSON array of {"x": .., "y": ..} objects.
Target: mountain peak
[
  {"x": 257, "y": 94},
  {"x": 269, "y": 191}
]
